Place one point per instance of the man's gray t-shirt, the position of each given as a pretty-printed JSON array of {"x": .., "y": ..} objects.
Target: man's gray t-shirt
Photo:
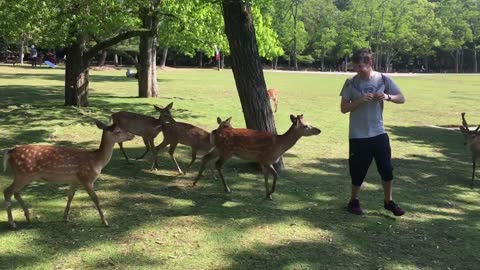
[{"x": 367, "y": 120}]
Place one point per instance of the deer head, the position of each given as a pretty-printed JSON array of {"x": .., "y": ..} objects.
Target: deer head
[
  {"x": 303, "y": 128},
  {"x": 114, "y": 133},
  {"x": 165, "y": 114},
  {"x": 225, "y": 123},
  {"x": 468, "y": 135}
]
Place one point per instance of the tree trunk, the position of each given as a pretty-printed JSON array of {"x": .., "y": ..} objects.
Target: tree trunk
[
  {"x": 147, "y": 72},
  {"x": 323, "y": 62},
  {"x": 457, "y": 56},
  {"x": 22, "y": 50},
  {"x": 475, "y": 64},
  {"x": 76, "y": 77},
  {"x": 164, "y": 57},
  {"x": 116, "y": 60},
  {"x": 295, "y": 9},
  {"x": 101, "y": 63},
  {"x": 275, "y": 63},
  {"x": 222, "y": 60},
  {"x": 346, "y": 63},
  {"x": 247, "y": 68},
  {"x": 200, "y": 59}
]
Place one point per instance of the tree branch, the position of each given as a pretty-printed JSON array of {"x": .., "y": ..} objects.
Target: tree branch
[
  {"x": 112, "y": 41},
  {"x": 128, "y": 56}
]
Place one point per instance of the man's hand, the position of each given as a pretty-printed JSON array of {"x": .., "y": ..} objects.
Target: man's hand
[
  {"x": 367, "y": 97},
  {"x": 380, "y": 96}
]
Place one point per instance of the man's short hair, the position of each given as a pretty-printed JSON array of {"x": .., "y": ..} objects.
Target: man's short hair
[{"x": 363, "y": 55}]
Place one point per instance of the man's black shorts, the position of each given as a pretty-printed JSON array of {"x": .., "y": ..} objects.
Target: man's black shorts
[{"x": 362, "y": 151}]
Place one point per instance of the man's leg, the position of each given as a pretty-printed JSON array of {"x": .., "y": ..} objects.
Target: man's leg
[
  {"x": 359, "y": 162},
  {"x": 383, "y": 159}
]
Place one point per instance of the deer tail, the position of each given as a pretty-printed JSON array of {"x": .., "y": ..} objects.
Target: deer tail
[{"x": 6, "y": 156}]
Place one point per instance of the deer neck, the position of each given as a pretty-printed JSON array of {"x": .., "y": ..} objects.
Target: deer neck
[
  {"x": 104, "y": 153},
  {"x": 286, "y": 141}
]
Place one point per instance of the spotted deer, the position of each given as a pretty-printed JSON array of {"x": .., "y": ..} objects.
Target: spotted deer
[
  {"x": 472, "y": 141},
  {"x": 273, "y": 95},
  {"x": 78, "y": 167},
  {"x": 175, "y": 133},
  {"x": 141, "y": 125},
  {"x": 262, "y": 147}
]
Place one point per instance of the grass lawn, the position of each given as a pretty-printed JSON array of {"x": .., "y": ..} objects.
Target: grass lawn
[{"x": 158, "y": 221}]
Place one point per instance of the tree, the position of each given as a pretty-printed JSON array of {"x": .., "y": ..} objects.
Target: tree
[
  {"x": 321, "y": 22},
  {"x": 147, "y": 64},
  {"x": 289, "y": 28},
  {"x": 246, "y": 65},
  {"x": 21, "y": 22},
  {"x": 473, "y": 18},
  {"x": 452, "y": 15}
]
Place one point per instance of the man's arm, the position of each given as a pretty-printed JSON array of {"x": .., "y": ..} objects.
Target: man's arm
[{"x": 398, "y": 98}]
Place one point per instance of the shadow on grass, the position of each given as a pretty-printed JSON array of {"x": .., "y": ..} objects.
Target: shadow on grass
[{"x": 442, "y": 216}]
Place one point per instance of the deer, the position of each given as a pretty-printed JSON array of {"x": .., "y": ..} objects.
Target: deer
[
  {"x": 273, "y": 95},
  {"x": 177, "y": 132},
  {"x": 262, "y": 147},
  {"x": 77, "y": 167},
  {"x": 472, "y": 141},
  {"x": 141, "y": 125}
]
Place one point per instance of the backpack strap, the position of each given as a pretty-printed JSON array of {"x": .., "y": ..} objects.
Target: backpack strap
[{"x": 384, "y": 79}]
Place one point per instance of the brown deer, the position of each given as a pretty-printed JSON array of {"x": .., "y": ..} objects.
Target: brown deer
[
  {"x": 177, "y": 132},
  {"x": 141, "y": 125},
  {"x": 77, "y": 167},
  {"x": 472, "y": 141},
  {"x": 273, "y": 95},
  {"x": 262, "y": 147}
]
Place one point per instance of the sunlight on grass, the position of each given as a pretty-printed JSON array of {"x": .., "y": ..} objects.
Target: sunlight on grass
[{"x": 159, "y": 221}]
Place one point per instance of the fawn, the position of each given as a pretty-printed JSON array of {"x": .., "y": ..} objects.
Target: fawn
[
  {"x": 273, "y": 95},
  {"x": 141, "y": 125},
  {"x": 177, "y": 132}
]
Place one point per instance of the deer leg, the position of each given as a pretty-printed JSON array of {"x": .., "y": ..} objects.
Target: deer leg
[
  {"x": 194, "y": 156},
  {"x": 123, "y": 151},
  {"x": 219, "y": 165},
  {"x": 151, "y": 145},
  {"x": 7, "y": 193},
  {"x": 159, "y": 147},
  {"x": 473, "y": 172},
  {"x": 148, "y": 146},
  {"x": 71, "y": 193},
  {"x": 274, "y": 173},
  {"x": 265, "y": 176},
  {"x": 205, "y": 159},
  {"x": 93, "y": 196},
  {"x": 171, "y": 151},
  {"x": 23, "y": 205}
]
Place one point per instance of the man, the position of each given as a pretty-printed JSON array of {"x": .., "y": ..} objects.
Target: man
[
  {"x": 363, "y": 96},
  {"x": 33, "y": 55}
]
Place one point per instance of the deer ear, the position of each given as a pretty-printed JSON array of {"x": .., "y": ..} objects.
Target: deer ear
[
  {"x": 157, "y": 108},
  {"x": 228, "y": 119},
  {"x": 219, "y": 120},
  {"x": 169, "y": 106},
  {"x": 100, "y": 124},
  {"x": 293, "y": 118}
]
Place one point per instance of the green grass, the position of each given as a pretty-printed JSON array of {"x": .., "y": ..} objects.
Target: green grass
[{"x": 159, "y": 221}]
